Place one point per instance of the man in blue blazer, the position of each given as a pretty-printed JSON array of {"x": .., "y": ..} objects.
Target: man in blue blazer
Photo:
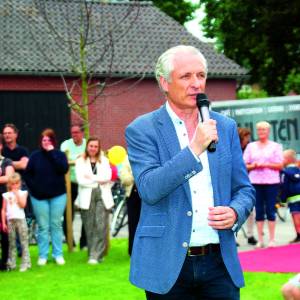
[{"x": 193, "y": 201}]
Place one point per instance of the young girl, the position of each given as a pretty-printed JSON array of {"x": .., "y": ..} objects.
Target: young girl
[{"x": 13, "y": 220}]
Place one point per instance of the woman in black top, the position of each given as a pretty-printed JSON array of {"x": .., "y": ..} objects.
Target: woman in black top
[{"x": 45, "y": 178}]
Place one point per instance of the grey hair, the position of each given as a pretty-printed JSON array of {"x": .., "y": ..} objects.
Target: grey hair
[
  {"x": 165, "y": 63},
  {"x": 263, "y": 124}
]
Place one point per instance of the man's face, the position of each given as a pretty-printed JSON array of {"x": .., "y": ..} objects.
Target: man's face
[
  {"x": 9, "y": 135},
  {"x": 188, "y": 79},
  {"x": 76, "y": 134}
]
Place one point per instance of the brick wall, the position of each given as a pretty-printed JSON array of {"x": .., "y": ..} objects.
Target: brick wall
[
  {"x": 221, "y": 89},
  {"x": 111, "y": 114}
]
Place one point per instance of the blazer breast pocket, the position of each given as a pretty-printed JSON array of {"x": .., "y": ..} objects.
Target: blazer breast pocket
[{"x": 151, "y": 231}]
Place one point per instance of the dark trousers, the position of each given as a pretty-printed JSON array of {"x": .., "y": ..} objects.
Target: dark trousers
[
  {"x": 265, "y": 201},
  {"x": 201, "y": 278},
  {"x": 4, "y": 250},
  {"x": 4, "y": 243},
  {"x": 74, "y": 193},
  {"x": 133, "y": 210},
  {"x": 28, "y": 208}
]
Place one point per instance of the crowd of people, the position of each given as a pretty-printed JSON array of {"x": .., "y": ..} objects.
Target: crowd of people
[{"x": 33, "y": 186}]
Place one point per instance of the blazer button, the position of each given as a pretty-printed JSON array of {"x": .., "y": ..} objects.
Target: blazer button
[
  {"x": 189, "y": 213},
  {"x": 184, "y": 244}
]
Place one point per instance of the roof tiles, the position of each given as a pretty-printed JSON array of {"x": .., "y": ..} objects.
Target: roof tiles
[{"x": 124, "y": 39}]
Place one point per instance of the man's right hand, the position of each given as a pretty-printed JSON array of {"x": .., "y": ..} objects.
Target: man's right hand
[{"x": 205, "y": 133}]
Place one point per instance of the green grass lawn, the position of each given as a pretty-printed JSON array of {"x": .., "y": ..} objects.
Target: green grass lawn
[{"x": 107, "y": 281}]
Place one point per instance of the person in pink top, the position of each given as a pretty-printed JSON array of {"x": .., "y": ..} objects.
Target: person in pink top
[{"x": 264, "y": 160}]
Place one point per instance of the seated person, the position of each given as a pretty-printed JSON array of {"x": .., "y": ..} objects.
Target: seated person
[{"x": 291, "y": 289}]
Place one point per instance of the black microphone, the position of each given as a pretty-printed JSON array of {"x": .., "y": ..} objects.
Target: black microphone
[{"x": 203, "y": 105}]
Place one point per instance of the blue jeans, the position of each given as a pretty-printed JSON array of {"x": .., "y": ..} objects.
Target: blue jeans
[
  {"x": 49, "y": 214},
  {"x": 201, "y": 277}
]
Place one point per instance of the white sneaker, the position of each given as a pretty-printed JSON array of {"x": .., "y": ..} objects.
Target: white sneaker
[
  {"x": 93, "y": 261},
  {"x": 272, "y": 244},
  {"x": 259, "y": 245},
  {"x": 24, "y": 268},
  {"x": 60, "y": 260},
  {"x": 42, "y": 261}
]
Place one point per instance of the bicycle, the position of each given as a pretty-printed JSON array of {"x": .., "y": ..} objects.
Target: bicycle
[{"x": 119, "y": 213}]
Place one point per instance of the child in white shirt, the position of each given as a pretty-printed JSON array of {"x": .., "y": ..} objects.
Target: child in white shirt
[{"x": 14, "y": 221}]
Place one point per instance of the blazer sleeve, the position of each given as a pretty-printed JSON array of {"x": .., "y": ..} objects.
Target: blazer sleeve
[
  {"x": 242, "y": 191},
  {"x": 156, "y": 179}
]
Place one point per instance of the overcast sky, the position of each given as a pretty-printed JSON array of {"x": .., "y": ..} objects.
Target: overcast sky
[{"x": 194, "y": 27}]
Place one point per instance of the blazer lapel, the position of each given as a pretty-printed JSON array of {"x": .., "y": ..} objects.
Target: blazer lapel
[
  {"x": 167, "y": 132},
  {"x": 214, "y": 171},
  {"x": 213, "y": 159},
  {"x": 89, "y": 166}
]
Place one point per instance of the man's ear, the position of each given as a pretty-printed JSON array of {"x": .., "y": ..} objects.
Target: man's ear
[{"x": 164, "y": 84}]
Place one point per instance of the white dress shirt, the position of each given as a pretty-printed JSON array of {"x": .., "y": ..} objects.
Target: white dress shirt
[{"x": 201, "y": 190}]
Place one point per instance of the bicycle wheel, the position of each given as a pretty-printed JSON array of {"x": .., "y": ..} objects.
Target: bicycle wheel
[{"x": 119, "y": 218}]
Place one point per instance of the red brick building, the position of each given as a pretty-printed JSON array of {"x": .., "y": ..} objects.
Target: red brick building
[{"x": 32, "y": 93}]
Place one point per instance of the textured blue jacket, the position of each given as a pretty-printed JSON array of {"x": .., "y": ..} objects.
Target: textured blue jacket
[{"x": 161, "y": 171}]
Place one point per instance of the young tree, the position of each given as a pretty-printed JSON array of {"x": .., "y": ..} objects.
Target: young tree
[
  {"x": 87, "y": 35},
  {"x": 262, "y": 36}
]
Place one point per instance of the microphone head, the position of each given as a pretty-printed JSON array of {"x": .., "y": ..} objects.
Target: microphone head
[{"x": 202, "y": 100}]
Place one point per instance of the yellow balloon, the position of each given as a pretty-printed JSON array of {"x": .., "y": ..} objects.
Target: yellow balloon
[{"x": 116, "y": 155}]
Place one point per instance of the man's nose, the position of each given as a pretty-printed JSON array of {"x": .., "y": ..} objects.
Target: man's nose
[{"x": 196, "y": 81}]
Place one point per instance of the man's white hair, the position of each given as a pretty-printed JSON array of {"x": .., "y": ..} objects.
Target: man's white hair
[{"x": 165, "y": 63}]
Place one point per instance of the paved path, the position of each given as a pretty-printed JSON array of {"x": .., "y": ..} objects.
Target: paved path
[{"x": 284, "y": 232}]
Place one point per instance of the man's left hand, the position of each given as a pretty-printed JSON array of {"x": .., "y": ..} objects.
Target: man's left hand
[{"x": 221, "y": 217}]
